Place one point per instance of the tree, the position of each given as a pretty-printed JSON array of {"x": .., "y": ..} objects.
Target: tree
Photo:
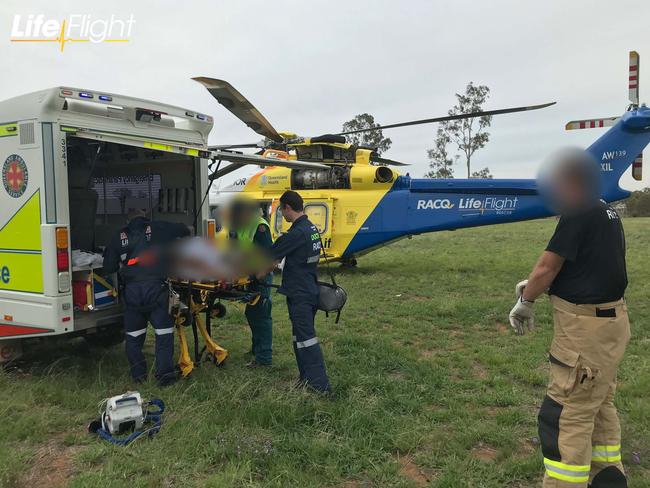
[
  {"x": 441, "y": 163},
  {"x": 469, "y": 135},
  {"x": 483, "y": 173},
  {"x": 373, "y": 138}
]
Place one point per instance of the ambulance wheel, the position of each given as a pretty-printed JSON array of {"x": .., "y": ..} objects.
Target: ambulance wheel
[
  {"x": 218, "y": 311},
  {"x": 106, "y": 337}
]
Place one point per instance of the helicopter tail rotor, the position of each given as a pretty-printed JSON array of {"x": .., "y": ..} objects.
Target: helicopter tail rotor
[{"x": 633, "y": 94}]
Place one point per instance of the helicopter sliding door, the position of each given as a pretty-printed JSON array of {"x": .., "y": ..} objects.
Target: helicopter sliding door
[{"x": 318, "y": 211}]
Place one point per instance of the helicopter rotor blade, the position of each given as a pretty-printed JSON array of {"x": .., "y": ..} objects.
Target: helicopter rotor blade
[
  {"x": 387, "y": 162},
  {"x": 633, "y": 75},
  {"x": 244, "y": 159},
  {"x": 239, "y": 106},
  {"x": 450, "y": 117}
]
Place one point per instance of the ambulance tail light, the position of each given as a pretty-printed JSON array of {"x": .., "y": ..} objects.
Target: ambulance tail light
[
  {"x": 62, "y": 262},
  {"x": 63, "y": 259},
  {"x": 211, "y": 229}
]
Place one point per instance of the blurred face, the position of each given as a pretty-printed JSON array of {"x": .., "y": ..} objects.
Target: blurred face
[
  {"x": 240, "y": 215},
  {"x": 570, "y": 181},
  {"x": 572, "y": 191}
]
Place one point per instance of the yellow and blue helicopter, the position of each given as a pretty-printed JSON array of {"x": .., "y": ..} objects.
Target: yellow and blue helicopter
[{"x": 360, "y": 203}]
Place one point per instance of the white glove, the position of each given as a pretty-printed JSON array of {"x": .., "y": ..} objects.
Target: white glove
[
  {"x": 519, "y": 288},
  {"x": 521, "y": 316}
]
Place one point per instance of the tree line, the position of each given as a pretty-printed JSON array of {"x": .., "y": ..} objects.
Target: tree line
[{"x": 638, "y": 204}]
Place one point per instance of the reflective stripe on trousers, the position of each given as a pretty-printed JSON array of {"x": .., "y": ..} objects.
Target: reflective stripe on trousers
[
  {"x": 168, "y": 330},
  {"x": 137, "y": 333},
  {"x": 567, "y": 472},
  {"x": 606, "y": 454},
  {"x": 308, "y": 343}
]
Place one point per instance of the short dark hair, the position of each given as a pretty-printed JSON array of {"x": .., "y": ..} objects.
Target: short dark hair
[{"x": 293, "y": 199}]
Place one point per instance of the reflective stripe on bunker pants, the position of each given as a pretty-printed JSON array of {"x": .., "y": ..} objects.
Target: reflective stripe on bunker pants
[
  {"x": 578, "y": 426},
  {"x": 306, "y": 346},
  {"x": 138, "y": 295}
]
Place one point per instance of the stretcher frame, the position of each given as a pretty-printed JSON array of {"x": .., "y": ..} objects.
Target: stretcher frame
[{"x": 201, "y": 297}]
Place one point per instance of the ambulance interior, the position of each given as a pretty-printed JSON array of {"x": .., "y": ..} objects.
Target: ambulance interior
[{"x": 105, "y": 181}]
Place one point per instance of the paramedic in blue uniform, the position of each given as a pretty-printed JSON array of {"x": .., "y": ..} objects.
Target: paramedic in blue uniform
[
  {"x": 301, "y": 248},
  {"x": 131, "y": 251}
]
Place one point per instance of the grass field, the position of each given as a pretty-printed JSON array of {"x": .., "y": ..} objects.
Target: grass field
[{"x": 432, "y": 388}]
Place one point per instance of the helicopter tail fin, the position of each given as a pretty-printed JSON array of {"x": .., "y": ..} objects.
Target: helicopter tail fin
[{"x": 619, "y": 148}]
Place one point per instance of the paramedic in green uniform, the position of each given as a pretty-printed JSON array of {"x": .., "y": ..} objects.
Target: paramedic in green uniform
[{"x": 249, "y": 228}]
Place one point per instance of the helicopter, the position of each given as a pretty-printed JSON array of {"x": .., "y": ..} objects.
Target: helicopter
[{"x": 360, "y": 202}]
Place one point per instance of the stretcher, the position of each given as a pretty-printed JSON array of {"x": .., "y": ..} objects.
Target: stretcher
[{"x": 190, "y": 300}]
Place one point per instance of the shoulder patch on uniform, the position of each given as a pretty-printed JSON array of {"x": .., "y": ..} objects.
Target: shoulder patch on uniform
[{"x": 261, "y": 228}]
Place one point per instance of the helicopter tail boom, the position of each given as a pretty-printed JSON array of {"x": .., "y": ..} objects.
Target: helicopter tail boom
[{"x": 619, "y": 148}]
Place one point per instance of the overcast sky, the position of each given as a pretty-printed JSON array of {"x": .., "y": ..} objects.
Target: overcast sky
[{"x": 309, "y": 66}]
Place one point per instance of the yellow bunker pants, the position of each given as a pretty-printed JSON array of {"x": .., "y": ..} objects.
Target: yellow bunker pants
[{"x": 579, "y": 428}]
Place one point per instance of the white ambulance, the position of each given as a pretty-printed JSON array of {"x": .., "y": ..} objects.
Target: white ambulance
[{"x": 74, "y": 162}]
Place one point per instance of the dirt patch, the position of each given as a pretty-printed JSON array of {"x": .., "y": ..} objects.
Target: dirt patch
[
  {"x": 494, "y": 411},
  {"x": 484, "y": 452},
  {"x": 408, "y": 469},
  {"x": 528, "y": 446},
  {"x": 397, "y": 375},
  {"x": 427, "y": 354},
  {"x": 420, "y": 298},
  {"x": 502, "y": 328},
  {"x": 480, "y": 371},
  {"x": 52, "y": 466},
  {"x": 434, "y": 407}
]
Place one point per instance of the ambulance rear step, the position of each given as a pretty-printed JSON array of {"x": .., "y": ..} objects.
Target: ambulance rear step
[{"x": 98, "y": 318}]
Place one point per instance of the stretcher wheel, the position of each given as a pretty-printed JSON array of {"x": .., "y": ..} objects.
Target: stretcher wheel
[
  {"x": 218, "y": 311},
  {"x": 185, "y": 316}
]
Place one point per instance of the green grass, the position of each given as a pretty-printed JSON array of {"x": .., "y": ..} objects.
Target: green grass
[{"x": 430, "y": 385}]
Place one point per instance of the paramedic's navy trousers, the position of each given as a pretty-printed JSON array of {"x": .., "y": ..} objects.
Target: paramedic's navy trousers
[
  {"x": 261, "y": 324},
  {"x": 306, "y": 346},
  {"x": 146, "y": 301}
]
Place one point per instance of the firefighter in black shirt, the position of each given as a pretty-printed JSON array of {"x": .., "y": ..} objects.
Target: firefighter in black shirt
[
  {"x": 145, "y": 295},
  {"x": 583, "y": 268}
]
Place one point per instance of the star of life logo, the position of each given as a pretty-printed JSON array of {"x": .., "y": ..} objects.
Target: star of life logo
[
  {"x": 15, "y": 176},
  {"x": 75, "y": 28}
]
